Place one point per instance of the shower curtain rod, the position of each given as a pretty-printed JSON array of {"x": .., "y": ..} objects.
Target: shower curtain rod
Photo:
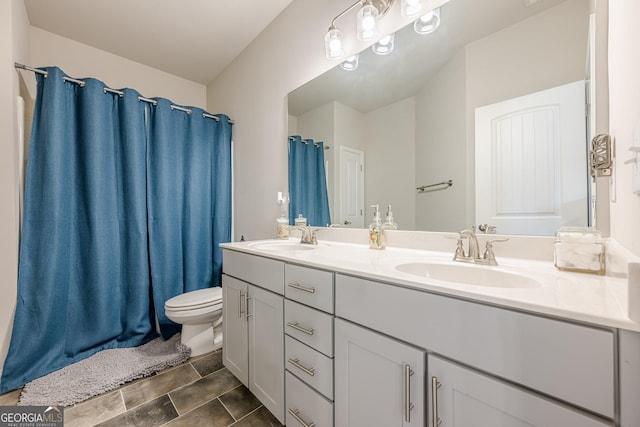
[
  {"x": 117, "y": 92},
  {"x": 326, "y": 147}
]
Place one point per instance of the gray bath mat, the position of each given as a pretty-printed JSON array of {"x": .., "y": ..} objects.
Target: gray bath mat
[{"x": 104, "y": 371}]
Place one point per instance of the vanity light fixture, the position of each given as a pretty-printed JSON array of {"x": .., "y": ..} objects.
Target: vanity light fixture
[
  {"x": 384, "y": 46},
  {"x": 371, "y": 11},
  {"x": 428, "y": 22},
  {"x": 351, "y": 63},
  {"x": 367, "y": 22},
  {"x": 333, "y": 43}
]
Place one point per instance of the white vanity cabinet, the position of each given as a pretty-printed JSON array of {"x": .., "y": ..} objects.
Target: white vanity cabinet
[
  {"x": 562, "y": 361},
  {"x": 321, "y": 348},
  {"x": 253, "y": 314},
  {"x": 461, "y": 397},
  {"x": 379, "y": 381}
]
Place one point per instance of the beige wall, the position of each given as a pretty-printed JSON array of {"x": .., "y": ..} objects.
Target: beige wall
[
  {"x": 390, "y": 141},
  {"x": 80, "y": 60},
  {"x": 441, "y": 144},
  {"x": 13, "y": 48},
  {"x": 546, "y": 50},
  {"x": 624, "y": 110}
]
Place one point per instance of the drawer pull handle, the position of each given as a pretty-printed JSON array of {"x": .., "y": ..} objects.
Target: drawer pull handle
[
  {"x": 435, "y": 419},
  {"x": 408, "y": 406},
  {"x": 297, "y": 327},
  {"x": 299, "y": 287},
  {"x": 294, "y": 413},
  {"x": 295, "y": 362}
]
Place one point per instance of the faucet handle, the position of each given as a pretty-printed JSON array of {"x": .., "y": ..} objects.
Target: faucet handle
[
  {"x": 489, "y": 255},
  {"x": 459, "y": 253}
]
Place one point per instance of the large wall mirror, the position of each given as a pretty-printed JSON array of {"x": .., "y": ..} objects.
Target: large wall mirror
[{"x": 492, "y": 102}]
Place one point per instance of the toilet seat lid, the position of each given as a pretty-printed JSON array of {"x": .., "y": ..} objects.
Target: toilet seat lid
[{"x": 199, "y": 298}]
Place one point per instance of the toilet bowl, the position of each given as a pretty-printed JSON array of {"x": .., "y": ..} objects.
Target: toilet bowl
[{"x": 200, "y": 314}]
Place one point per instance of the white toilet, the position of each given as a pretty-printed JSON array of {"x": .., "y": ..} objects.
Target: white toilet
[{"x": 200, "y": 314}]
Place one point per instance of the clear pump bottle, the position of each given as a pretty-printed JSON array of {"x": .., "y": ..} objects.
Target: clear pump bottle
[
  {"x": 388, "y": 223},
  {"x": 376, "y": 234},
  {"x": 283, "y": 220}
]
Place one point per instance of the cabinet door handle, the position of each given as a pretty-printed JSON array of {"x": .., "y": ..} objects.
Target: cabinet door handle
[
  {"x": 300, "y": 287},
  {"x": 294, "y": 413},
  {"x": 246, "y": 304},
  {"x": 435, "y": 419},
  {"x": 295, "y": 362},
  {"x": 240, "y": 312},
  {"x": 408, "y": 406},
  {"x": 297, "y": 327}
]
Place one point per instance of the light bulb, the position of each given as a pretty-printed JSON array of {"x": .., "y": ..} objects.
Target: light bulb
[
  {"x": 351, "y": 63},
  {"x": 412, "y": 7},
  {"x": 333, "y": 43},
  {"x": 428, "y": 22},
  {"x": 367, "y": 22},
  {"x": 384, "y": 45}
]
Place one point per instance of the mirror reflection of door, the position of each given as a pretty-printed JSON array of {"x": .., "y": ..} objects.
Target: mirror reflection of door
[
  {"x": 529, "y": 152},
  {"x": 351, "y": 187}
]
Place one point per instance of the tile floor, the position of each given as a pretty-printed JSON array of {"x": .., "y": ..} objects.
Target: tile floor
[{"x": 200, "y": 392}]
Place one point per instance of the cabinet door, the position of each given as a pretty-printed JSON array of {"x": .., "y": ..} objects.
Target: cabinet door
[
  {"x": 266, "y": 349},
  {"x": 235, "y": 351},
  {"x": 466, "y": 398},
  {"x": 378, "y": 381}
]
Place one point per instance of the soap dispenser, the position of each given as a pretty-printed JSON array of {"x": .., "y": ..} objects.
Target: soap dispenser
[
  {"x": 389, "y": 224},
  {"x": 283, "y": 220},
  {"x": 376, "y": 236}
]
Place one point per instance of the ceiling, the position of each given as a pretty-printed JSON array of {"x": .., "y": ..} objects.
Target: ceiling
[{"x": 192, "y": 39}]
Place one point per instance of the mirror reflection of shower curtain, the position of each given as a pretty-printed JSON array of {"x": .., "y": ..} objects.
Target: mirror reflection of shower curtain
[{"x": 308, "y": 182}]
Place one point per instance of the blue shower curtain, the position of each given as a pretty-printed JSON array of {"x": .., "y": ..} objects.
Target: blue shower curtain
[
  {"x": 307, "y": 182},
  {"x": 189, "y": 203},
  {"x": 99, "y": 176}
]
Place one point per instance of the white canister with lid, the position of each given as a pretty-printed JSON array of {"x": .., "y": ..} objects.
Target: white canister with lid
[{"x": 300, "y": 221}]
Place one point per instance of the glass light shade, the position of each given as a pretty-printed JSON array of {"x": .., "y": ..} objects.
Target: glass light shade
[
  {"x": 384, "y": 46},
  {"x": 412, "y": 7},
  {"x": 333, "y": 45},
  {"x": 428, "y": 22},
  {"x": 367, "y": 22},
  {"x": 351, "y": 63}
]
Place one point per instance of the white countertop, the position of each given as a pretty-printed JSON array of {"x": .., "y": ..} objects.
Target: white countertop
[{"x": 599, "y": 300}]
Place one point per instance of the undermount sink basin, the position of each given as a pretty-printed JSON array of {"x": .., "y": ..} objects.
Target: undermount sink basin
[
  {"x": 476, "y": 275},
  {"x": 285, "y": 245}
]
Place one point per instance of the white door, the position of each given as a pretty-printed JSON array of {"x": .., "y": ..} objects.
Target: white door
[
  {"x": 351, "y": 187},
  {"x": 466, "y": 398},
  {"x": 378, "y": 381},
  {"x": 235, "y": 352},
  {"x": 531, "y": 162},
  {"x": 266, "y": 349}
]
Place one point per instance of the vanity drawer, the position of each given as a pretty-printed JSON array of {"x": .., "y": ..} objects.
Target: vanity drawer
[
  {"x": 305, "y": 406},
  {"x": 264, "y": 272},
  {"x": 309, "y": 286},
  {"x": 311, "y": 366},
  {"x": 572, "y": 362},
  {"x": 309, "y": 326}
]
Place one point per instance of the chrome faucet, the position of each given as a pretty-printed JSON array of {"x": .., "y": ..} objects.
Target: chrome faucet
[
  {"x": 474, "y": 249},
  {"x": 473, "y": 252},
  {"x": 308, "y": 235}
]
